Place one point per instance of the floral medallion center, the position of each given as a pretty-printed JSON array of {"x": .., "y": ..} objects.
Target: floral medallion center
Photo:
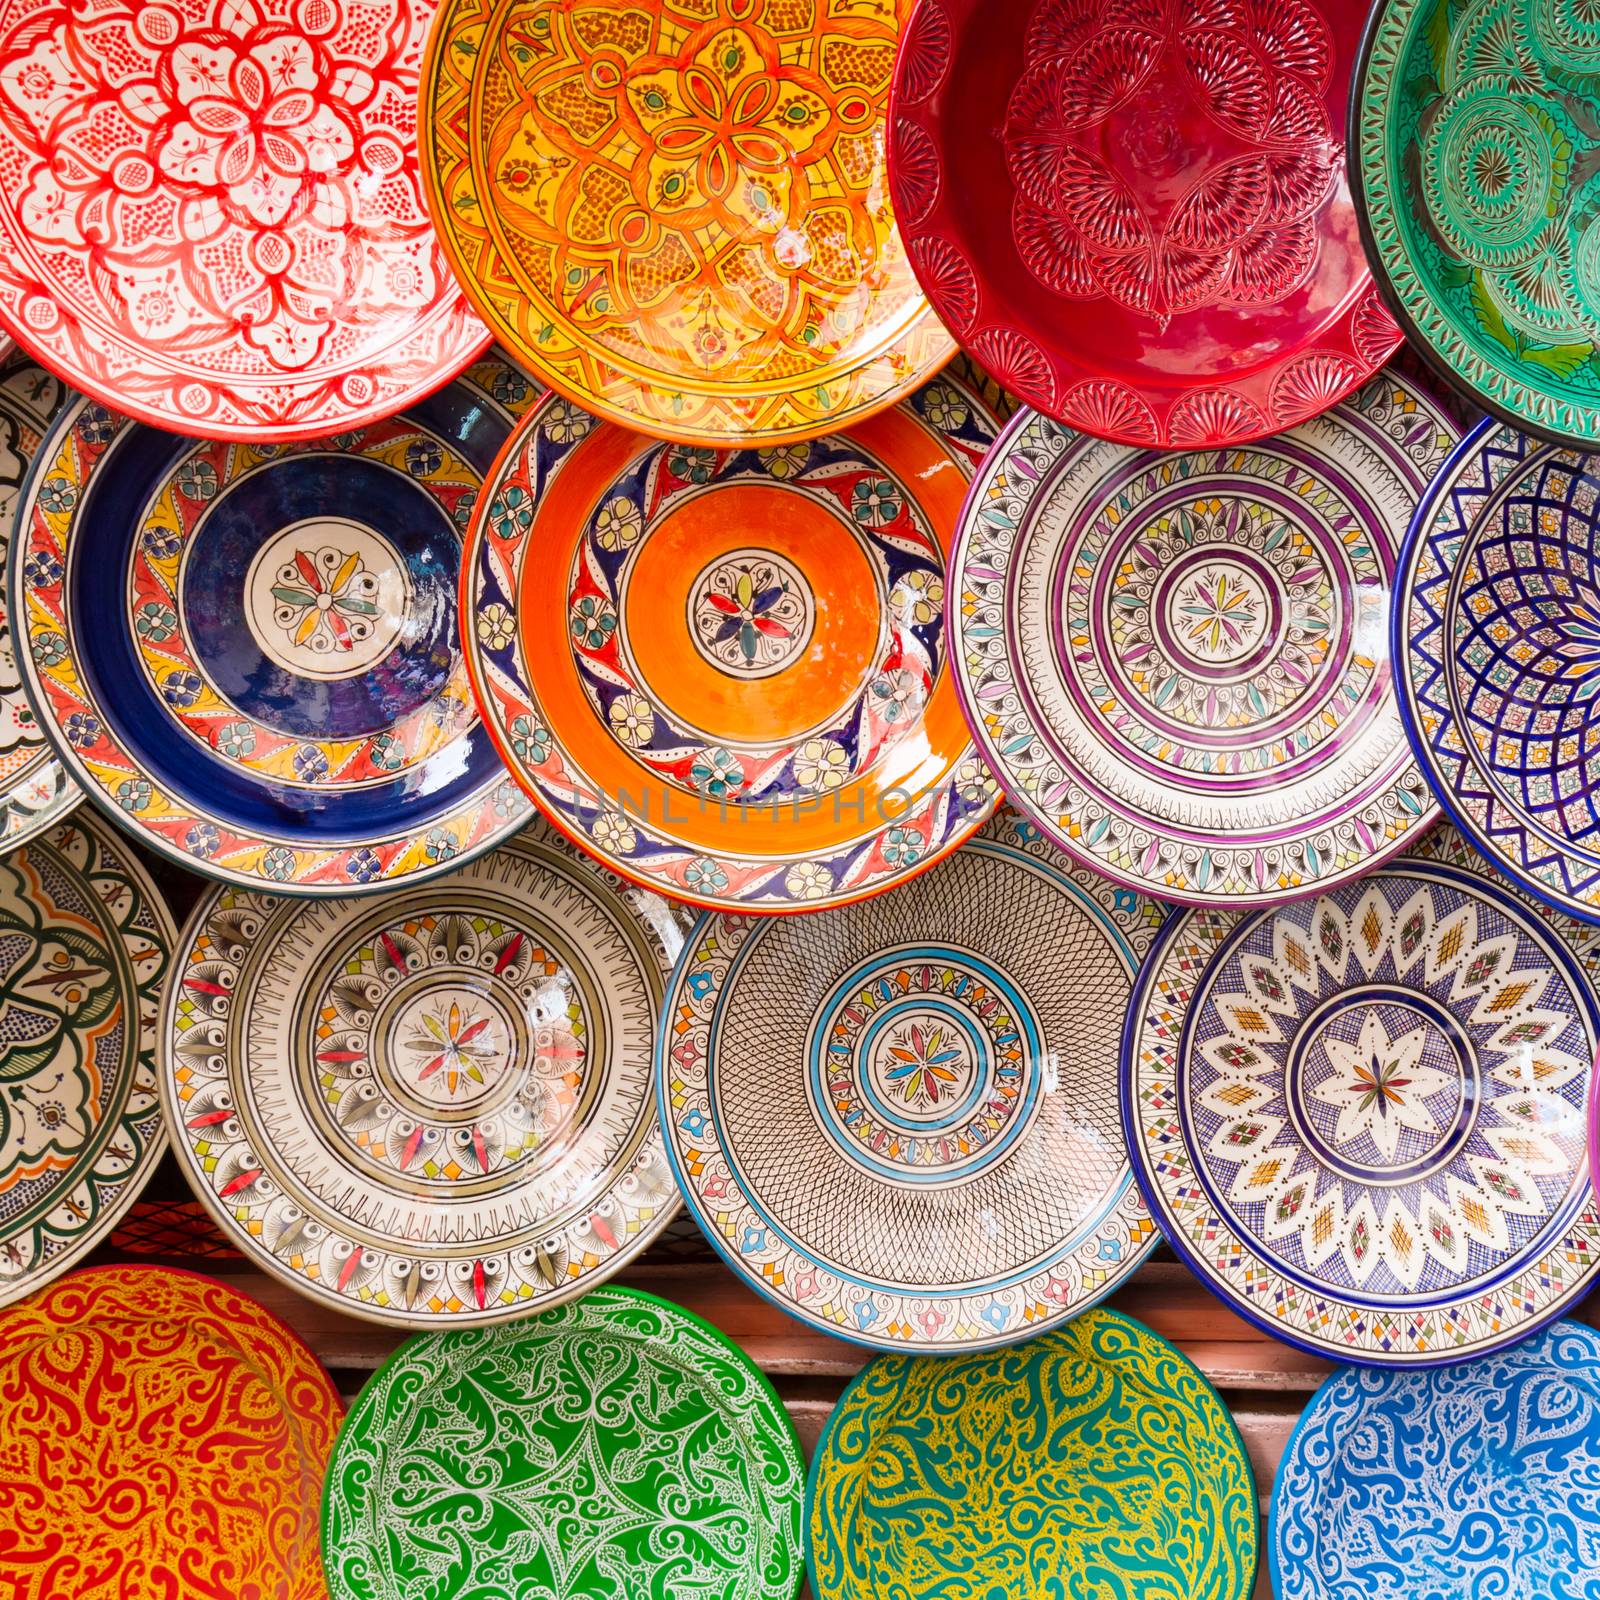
[
  {"x": 751, "y": 613},
  {"x": 1218, "y": 612},
  {"x": 453, "y": 1045},
  {"x": 327, "y": 598},
  {"x": 924, "y": 1071}
]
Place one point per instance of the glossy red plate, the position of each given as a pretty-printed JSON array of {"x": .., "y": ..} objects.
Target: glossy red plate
[
  {"x": 211, "y": 216},
  {"x": 1135, "y": 212}
]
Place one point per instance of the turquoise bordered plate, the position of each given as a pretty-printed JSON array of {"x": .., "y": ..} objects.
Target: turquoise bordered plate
[
  {"x": 1094, "y": 1460},
  {"x": 1474, "y": 139},
  {"x": 616, "y": 1445}
]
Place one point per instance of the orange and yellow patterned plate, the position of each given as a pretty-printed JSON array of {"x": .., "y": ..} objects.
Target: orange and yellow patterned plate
[
  {"x": 724, "y": 673},
  {"x": 677, "y": 213},
  {"x": 162, "y": 1436}
]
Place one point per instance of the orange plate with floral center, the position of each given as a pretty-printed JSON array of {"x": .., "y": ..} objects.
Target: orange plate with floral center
[
  {"x": 162, "y": 1436},
  {"x": 677, "y": 213},
  {"x": 723, "y": 672}
]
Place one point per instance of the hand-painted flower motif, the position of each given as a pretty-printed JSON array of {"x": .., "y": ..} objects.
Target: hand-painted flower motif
[
  {"x": 457, "y": 1046},
  {"x": 325, "y": 600},
  {"x": 925, "y": 1064},
  {"x": 751, "y": 613},
  {"x": 1221, "y": 612},
  {"x": 1381, "y": 1085}
]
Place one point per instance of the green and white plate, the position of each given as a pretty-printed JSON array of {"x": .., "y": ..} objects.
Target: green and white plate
[
  {"x": 615, "y": 1446},
  {"x": 1474, "y": 148}
]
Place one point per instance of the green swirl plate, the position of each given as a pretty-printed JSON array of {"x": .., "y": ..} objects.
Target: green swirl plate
[
  {"x": 614, "y": 1448},
  {"x": 1474, "y": 154},
  {"x": 1094, "y": 1461}
]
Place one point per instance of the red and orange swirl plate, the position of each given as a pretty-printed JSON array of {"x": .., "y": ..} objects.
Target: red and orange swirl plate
[{"x": 161, "y": 1436}]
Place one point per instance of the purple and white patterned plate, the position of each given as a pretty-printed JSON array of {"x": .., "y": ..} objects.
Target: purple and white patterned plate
[
  {"x": 1178, "y": 663},
  {"x": 1360, "y": 1117}
]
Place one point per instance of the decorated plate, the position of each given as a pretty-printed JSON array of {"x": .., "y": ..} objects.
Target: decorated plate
[
  {"x": 898, "y": 1120},
  {"x": 160, "y": 1434},
  {"x": 211, "y": 216},
  {"x": 1136, "y": 215},
  {"x": 85, "y": 944},
  {"x": 34, "y": 789},
  {"x": 1497, "y": 623},
  {"x": 1095, "y": 1459},
  {"x": 678, "y": 215},
  {"x": 432, "y": 1107},
  {"x": 1178, "y": 664},
  {"x": 614, "y": 1445},
  {"x": 723, "y": 672},
  {"x": 1482, "y": 1479},
  {"x": 1476, "y": 130},
  {"x": 248, "y": 653},
  {"x": 1360, "y": 1117}
]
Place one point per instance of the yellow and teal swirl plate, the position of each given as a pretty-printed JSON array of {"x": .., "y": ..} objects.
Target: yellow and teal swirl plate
[{"x": 1093, "y": 1461}]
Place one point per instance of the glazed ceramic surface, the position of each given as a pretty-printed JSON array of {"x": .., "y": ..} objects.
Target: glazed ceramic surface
[
  {"x": 1473, "y": 153},
  {"x": 678, "y": 214},
  {"x": 1177, "y": 664},
  {"x": 724, "y": 672},
  {"x": 614, "y": 1446},
  {"x": 85, "y": 946},
  {"x": 211, "y": 211},
  {"x": 1360, "y": 1117},
  {"x": 248, "y": 653},
  {"x": 1483, "y": 1479},
  {"x": 1095, "y": 1459},
  {"x": 1497, "y": 622},
  {"x": 432, "y": 1107},
  {"x": 34, "y": 789},
  {"x": 159, "y": 1435},
  {"x": 1136, "y": 214},
  {"x": 898, "y": 1120}
]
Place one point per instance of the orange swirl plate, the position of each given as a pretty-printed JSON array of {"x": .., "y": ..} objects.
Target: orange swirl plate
[
  {"x": 676, "y": 212},
  {"x": 161, "y": 1437}
]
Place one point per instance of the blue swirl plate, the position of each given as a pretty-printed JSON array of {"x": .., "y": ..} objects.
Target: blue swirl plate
[
  {"x": 1475, "y": 1481},
  {"x": 248, "y": 653}
]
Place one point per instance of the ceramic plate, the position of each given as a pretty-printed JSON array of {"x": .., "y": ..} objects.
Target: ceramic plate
[
  {"x": 1136, "y": 214},
  {"x": 85, "y": 944},
  {"x": 1483, "y": 1479},
  {"x": 616, "y": 1445},
  {"x": 160, "y": 1434},
  {"x": 1471, "y": 154},
  {"x": 1360, "y": 1117},
  {"x": 677, "y": 215},
  {"x": 1094, "y": 1460},
  {"x": 1177, "y": 664},
  {"x": 723, "y": 672},
  {"x": 435, "y": 1106},
  {"x": 34, "y": 788},
  {"x": 1497, "y": 623},
  {"x": 248, "y": 654},
  {"x": 211, "y": 215},
  {"x": 898, "y": 1120}
]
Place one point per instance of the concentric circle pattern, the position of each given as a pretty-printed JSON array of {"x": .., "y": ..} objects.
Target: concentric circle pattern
[
  {"x": 1361, "y": 1116},
  {"x": 1177, "y": 663},
  {"x": 1498, "y": 609},
  {"x": 1153, "y": 239},
  {"x": 1095, "y": 1459},
  {"x": 212, "y": 212},
  {"x": 613, "y": 1445},
  {"x": 160, "y": 1434},
  {"x": 87, "y": 944},
  {"x": 679, "y": 216},
  {"x": 724, "y": 672},
  {"x": 1473, "y": 153},
  {"x": 249, "y": 652},
  {"x": 928, "y": 1156},
  {"x": 434, "y": 1109}
]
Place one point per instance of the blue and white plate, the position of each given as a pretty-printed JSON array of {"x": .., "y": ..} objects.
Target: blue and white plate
[
  {"x": 1496, "y": 641},
  {"x": 1360, "y": 1117},
  {"x": 249, "y": 653},
  {"x": 1476, "y": 1482}
]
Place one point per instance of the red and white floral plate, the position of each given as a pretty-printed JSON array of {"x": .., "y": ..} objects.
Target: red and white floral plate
[{"x": 210, "y": 211}]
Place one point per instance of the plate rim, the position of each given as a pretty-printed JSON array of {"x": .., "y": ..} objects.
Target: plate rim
[
  {"x": 621, "y": 1291},
  {"x": 1142, "y": 1331}
]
